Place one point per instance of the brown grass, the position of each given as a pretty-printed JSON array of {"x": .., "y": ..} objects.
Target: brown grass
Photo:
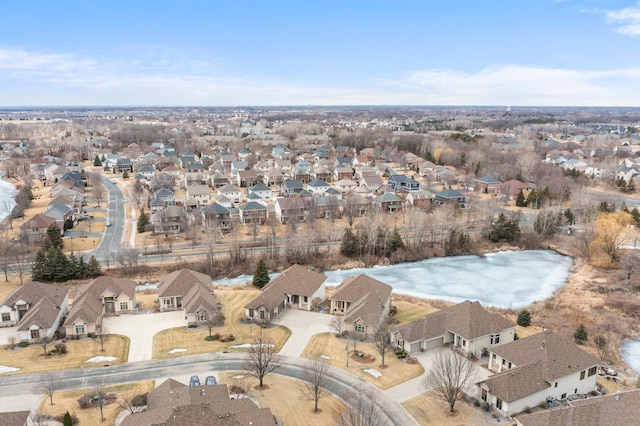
[
  {"x": 428, "y": 410},
  {"x": 233, "y": 301},
  {"x": 148, "y": 300},
  {"x": 30, "y": 359},
  {"x": 411, "y": 308},
  {"x": 68, "y": 401},
  {"x": 394, "y": 373},
  {"x": 282, "y": 395}
]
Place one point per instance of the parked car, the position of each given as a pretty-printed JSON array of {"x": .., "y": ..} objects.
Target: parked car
[
  {"x": 85, "y": 217},
  {"x": 194, "y": 381},
  {"x": 210, "y": 380},
  {"x": 108, "y": 223}
]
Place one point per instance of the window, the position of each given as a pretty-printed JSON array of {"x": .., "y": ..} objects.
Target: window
[
  {"x": 167, "y": 302},
  {"x": 261, "y": 314},
  {"x": 35, "y": 334},
  {"x": 250, "y": 313},
  {"x": 6, "y": 316},
  {"x": 582, "y": 374},
  {"x": 80, "y": 329},
  {"x": 202, "y": 316},
  {"x": 592, "y": 371},
  {"x": 555, "y": 385},
  {"x": 484, "y": 394},
  {"x": 495, "y": 339},
  {"x": 498, "y": 403},
  {"x": 563, "y": 396},
  {"x": 359, "y": 328},
  {"x": 124, "y": 306},
  {"x": 306, "y": 299}
]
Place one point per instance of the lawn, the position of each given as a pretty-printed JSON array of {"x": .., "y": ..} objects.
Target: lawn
[
  {"x": 411, "y": 308},
  {"x": 192, "y": 339},
  {"x": 428, "y": 410},
  {"x": 30, "y": 359},
  {"x": 282, "y": 395},
  {"x": 395, "y": 372},
  {"x": 68, "y": 401}
]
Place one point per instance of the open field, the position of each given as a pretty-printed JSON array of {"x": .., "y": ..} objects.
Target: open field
[
  {"x": 68, "y": 401},
  {"x": 428, "y": 410},
  {"x": 395, "y": 372},
  {"x": 233, "y": 301},
  {"x": 30, "y": 360},
  {"x": 282, "y": 395}
]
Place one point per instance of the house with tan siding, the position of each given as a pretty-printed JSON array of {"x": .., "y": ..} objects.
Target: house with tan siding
[{"x": 190, "y": 291}]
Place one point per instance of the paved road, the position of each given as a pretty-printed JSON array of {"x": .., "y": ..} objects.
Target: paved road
[
  {"x": 112, "y": 239},
  {"x": 140, "y": 330},
  {"x": 341, "y": 383}
]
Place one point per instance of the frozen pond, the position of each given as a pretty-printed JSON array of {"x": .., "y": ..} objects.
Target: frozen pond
[
  {"x": 7, "y": 195},
  {"x": 630, "y": 352},
  {"x": 509, "y": 279}
]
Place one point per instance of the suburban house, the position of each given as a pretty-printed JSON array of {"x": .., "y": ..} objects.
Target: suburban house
[
  {"x": 169, "y": 220},
  {"x": 450, "y": 196},
  {"x": 620, "y": 409},
  {"x": 188, "y": 290},
  {"x": 486, "y": 184},
  {"x": 246, "y": 178},
  {"x": 318, "y": 187},
  {"x": 216, "y": 216},
  {"x": 253, "y": 212},
  {"x": 274, "y": 177},
  {"x": 218, "y": 179},
  {"x": 99, "y": 297},
  {"x": 363, "y": 301},
  {"x": 174, "y": 403},
  {"x": 200, "y": 194},
  {"x": 388, "y": 203},
  {"x": 342, "y": 172},
  {"x": 165, "y": 195},
  {"x": 61, "y": 213},
  {"x": 345, "y": 185},
  {"x": 511, "y": 188},
  {"x": 34, "y": 230},
  {"x": 289, "y": 209},
  {"x": 37, "y": 310},
  {"x": 402, "y": 183},
  {"x": 291, "y": 187},
  {"x": 261, "y": 191},
  {"x": 123, "y": 165},
  {"x": 232, "y": 192},
  {"x": 466, "y": 326},
  {"x": 536, "y": 369},
  {"x": 297, "y": 287}
]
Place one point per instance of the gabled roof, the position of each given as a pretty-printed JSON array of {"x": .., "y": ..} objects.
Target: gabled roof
[
  {"x": 488, "y": 179},
  {"x": 259, "y": 187},
  {"x": 38, "y": 221},
  {"x": 198, "y": 190},
  {"x": 388, "y": 197},
  {"x": 318, "y": 184},
  {"x": 194, "y": 288},
  {"x": 558, "y": 355},
  {"x": 368, "y": 298},
  {"x": 252, "y": 205},
  {"x": 467, "y": 319},
  {"x": 297, "y": 280},
  {"x": 287, "y": 203},
  {"x": 620, "y": 409},
  {"x": 87, "y": 305},
  {"x": 44, "y": 300},
  {"x": 449, "y": 193},
  {"x": 215, "y": 209},
  {"x": 228, "y": 188}
]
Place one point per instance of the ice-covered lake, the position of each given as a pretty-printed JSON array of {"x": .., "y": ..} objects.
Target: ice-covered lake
[
  {"x": 630, "y": 353},
  {"x": 7, "y": 195},
  {"x": 509, "y": 279}
]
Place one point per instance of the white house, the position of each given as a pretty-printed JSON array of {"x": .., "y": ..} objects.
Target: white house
[{"x": 232, "y": 192}]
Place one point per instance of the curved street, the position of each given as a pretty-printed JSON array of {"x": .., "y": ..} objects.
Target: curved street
[{"x": 341, "y": 383}]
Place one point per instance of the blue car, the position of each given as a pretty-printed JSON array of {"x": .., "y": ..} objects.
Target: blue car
[
  {"x": 194, "y": 381},
  {"x": 210, "y": 380}
]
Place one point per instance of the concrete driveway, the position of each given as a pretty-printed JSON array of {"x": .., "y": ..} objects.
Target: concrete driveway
[
  {"x": 303, "y": 325},
  {"x": 140, "y": 330}
]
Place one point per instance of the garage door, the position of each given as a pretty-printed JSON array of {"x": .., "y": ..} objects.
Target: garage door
[
  {"x": 433, "y": 344},
  {"x": 415, "y": 348}
]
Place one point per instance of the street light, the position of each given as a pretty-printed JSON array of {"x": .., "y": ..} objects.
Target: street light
[{"x": 346, "y": 349}]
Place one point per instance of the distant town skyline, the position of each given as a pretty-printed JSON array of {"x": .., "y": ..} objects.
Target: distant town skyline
[{"x": 209, "y": 53}]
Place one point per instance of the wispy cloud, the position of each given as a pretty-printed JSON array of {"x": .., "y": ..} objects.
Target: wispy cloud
[
  {"x": 37, "y": 78},
  {"x": 626, "y": 21}
]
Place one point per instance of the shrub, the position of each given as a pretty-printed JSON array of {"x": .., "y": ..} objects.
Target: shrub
[
  {"x": 23, "y": 344},
  {"x": 89, "y": 335},
  {"x": 524, "y": 318},
  {"x": 139, "y": 400},
  {"x": 61, "y": 348},
  {"x": 210, "y": 338},
  {"x": 230, "y": 338},
  {"x": 495, "y": 415},
  {"x": 528, "y": 410},
  {"x": 581, "y": 335}
]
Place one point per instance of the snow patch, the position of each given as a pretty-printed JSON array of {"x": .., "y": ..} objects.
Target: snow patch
[
  {"x": 375, "y": 373},
  {"x": 5, "y": 369},
  {"x": 249, "y": 345},
  {"x": 102, "y": 359},
  {"x": 175, "y": 351},
  {"x": 324, "y": 357},
  {"x": 630, "y": 352},
  {"x": 238, "y": 377}
]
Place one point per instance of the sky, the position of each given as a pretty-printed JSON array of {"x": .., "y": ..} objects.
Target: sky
[{"x": 331, "y": 52}]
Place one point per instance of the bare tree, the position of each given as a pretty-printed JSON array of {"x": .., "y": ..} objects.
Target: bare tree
[
  {"x": 6, "y": 249},
  {"x": 44, "y": 342},
  {"x": 101, "y": 334},
  {"x": 214, "y": 319},
  {"x": 337, "y": 325},
  {"x": 315, "y": 381},
  {"x": 47, "y": 385},
  {"x": 98, "y": 189},
  {"x": 450, "y": 375},
  {"x": 22, "y": 260},
  {"x": 101, "y": 396},
  {"x": 630, "y": 262},
  {"x": 359, "y": 409},
  {"x": 128, "y": 402},
  {"x": 262, "y": 358},
  {"x": 382, "y": 340}
]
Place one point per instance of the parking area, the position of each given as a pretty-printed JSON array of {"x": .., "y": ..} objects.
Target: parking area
[
  {"x": 140, "y": 330},
  {"x": 303, "y": 325}
]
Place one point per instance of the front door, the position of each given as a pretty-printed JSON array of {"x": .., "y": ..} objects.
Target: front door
[{"x": 109, "y": 307}]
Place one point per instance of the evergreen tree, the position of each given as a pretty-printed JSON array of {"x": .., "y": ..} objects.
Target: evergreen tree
[
  {"x": 67, "y": 420},
  {"x": 93, "y": 268},
  {"x": 581, "y": 335},
  {"x": 568, "y": 214},
  {"x": 503, "y": 229},
  {"x": 61, "y": 268},
  {"x": 143, "y": 221},
  {"x": 68, "y": 224},
  {"x": 103, "y": 159},
  {"x": 519, "y": 177},
  {"x": 125, "y": 175},
  {"x": 81, "y": 269},
  {"x": 261, "y": 274},
  {"x": 524, "y": 318},
  {"x": 533, "y": 199},
  {"x": 38, "y": 268},
  {"x": 97, "y": 162},
  {"x": 53, "y": 238},
  {"x": 635, "y": 214},
  {"x": 349, "y": 246},
  {"x": 394, "y": 242},
  {"x": 520, "y": 200}
]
